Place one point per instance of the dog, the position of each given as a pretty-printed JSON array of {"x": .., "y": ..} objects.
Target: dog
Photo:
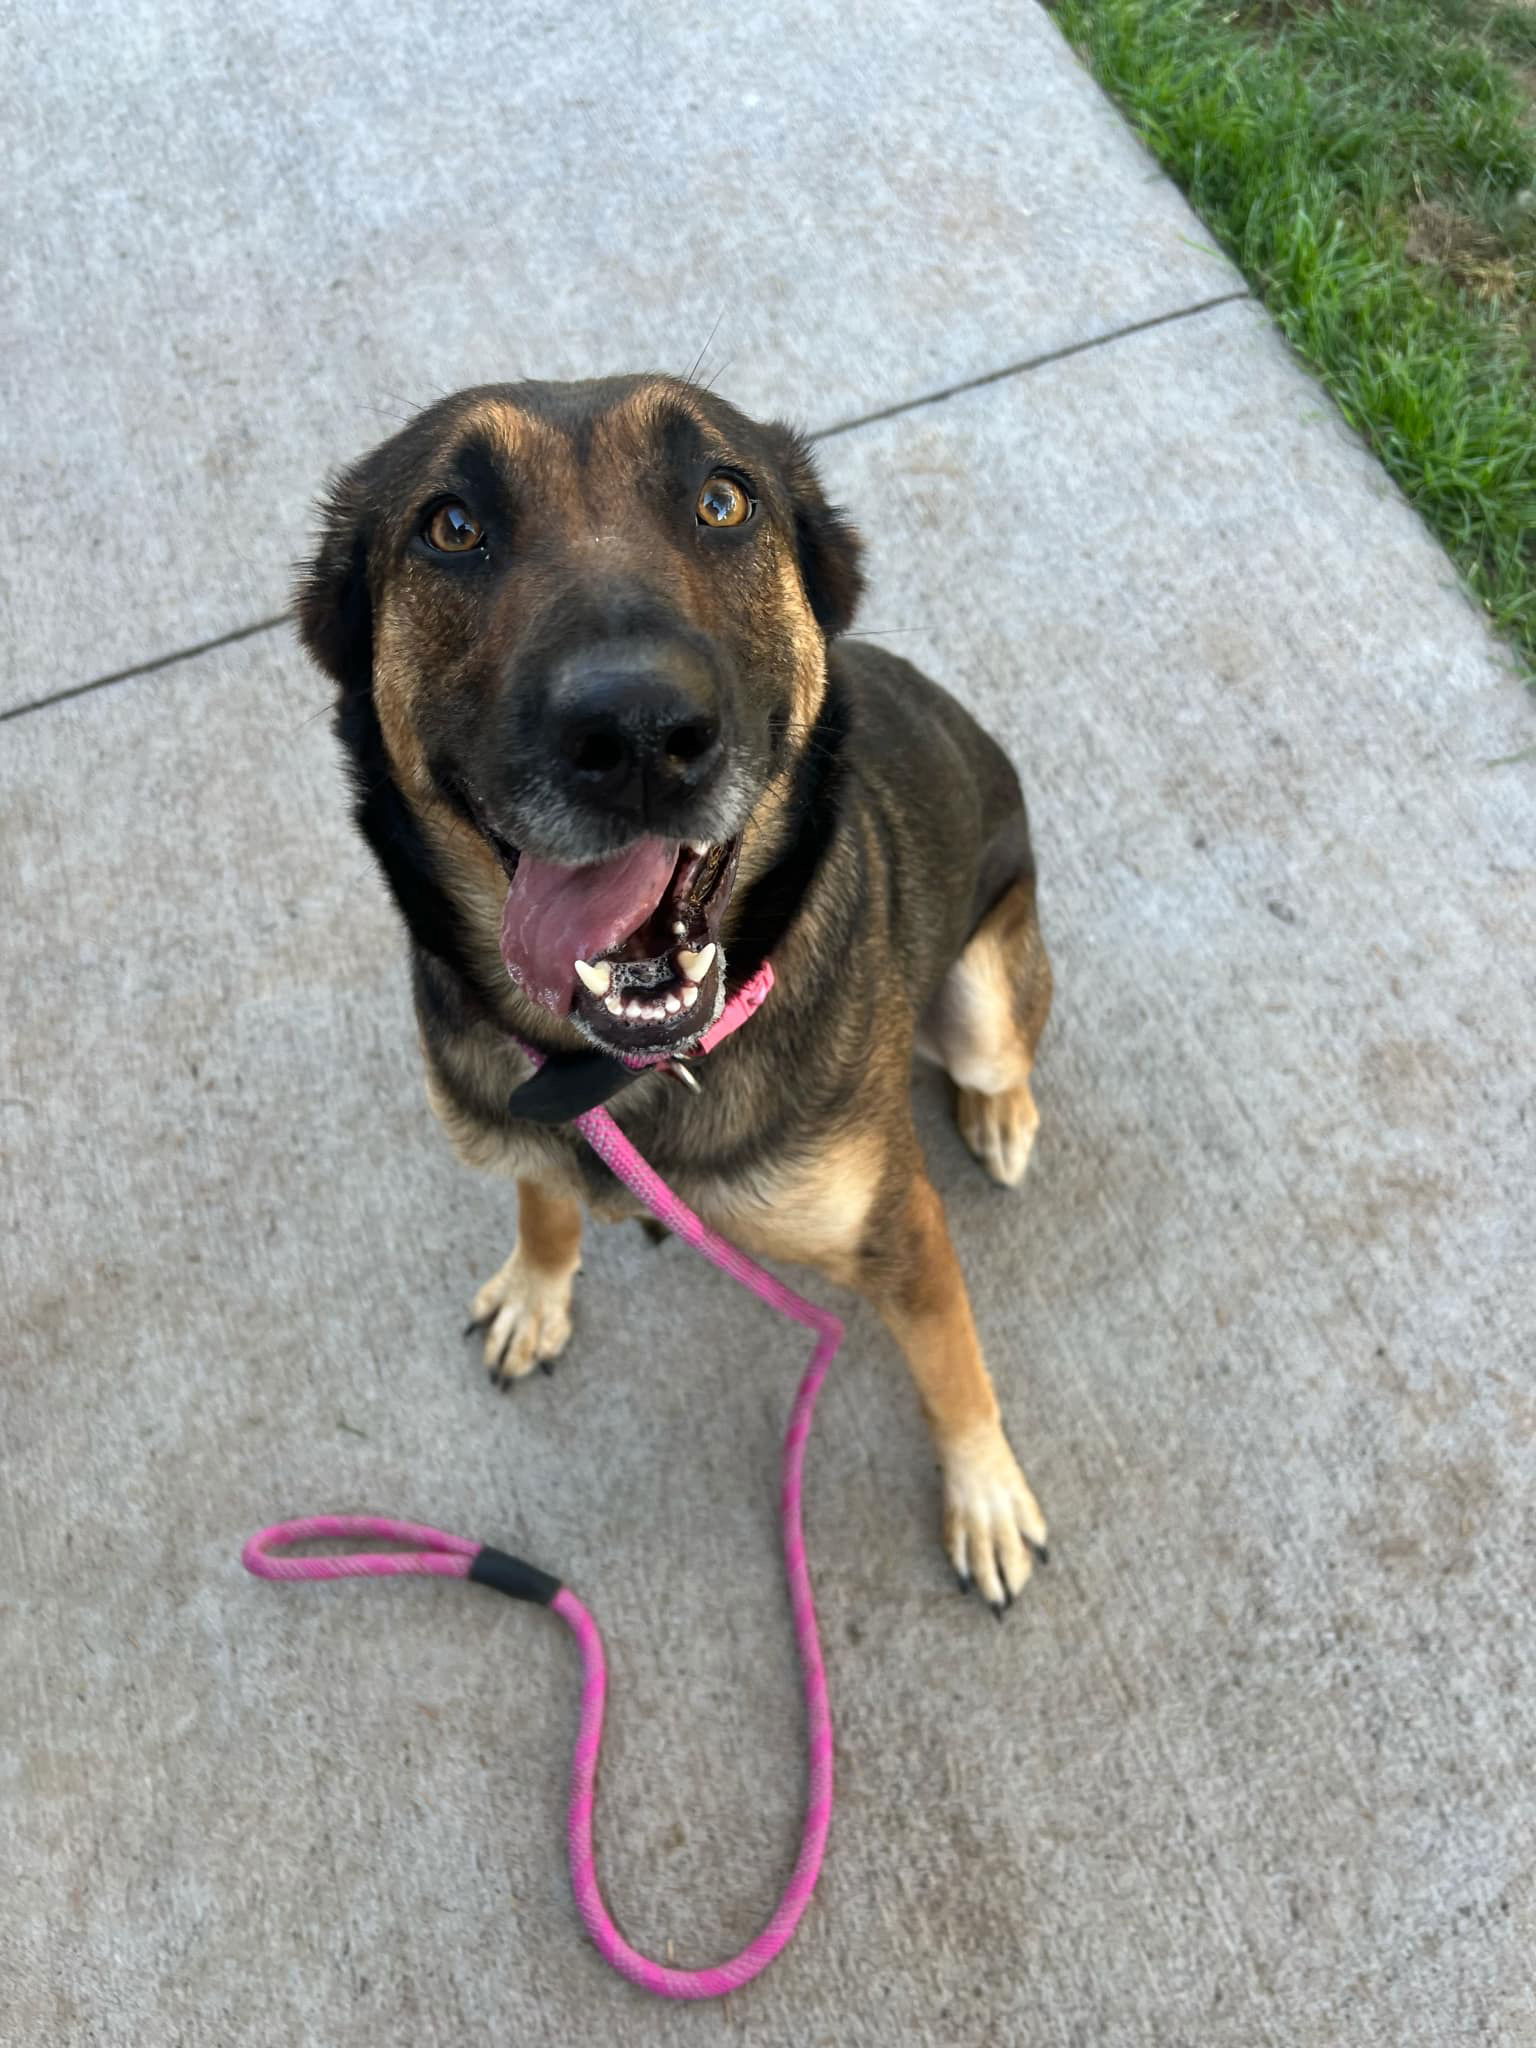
[{"x": 613, "y": 756}]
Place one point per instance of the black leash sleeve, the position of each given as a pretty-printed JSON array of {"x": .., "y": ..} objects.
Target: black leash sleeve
[
  {"x": 511, "y": 1575},
  {"x": 568, "y": 1085}
]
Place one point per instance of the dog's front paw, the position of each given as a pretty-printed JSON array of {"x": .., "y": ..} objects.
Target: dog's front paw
[
  {"x": 525, "y": 1312},
  {"x": 994, "y": 1531}
]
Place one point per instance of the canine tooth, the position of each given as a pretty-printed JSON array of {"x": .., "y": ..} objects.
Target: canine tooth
[
  {"x": 690, "y": 995},
  {"x": 673, "y": 1005},
  {"x": 614, "y": 1007},
  {"x": 598, "y": 979},
  {"x": 698, "y": 846},
  {"x": 697, "y": 965}
]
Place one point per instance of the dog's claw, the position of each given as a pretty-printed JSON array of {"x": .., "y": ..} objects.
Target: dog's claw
[
  {"x": 964, "y": 1581},
  {"x": 524, "y": 1315},
  {"x": 993, "y": 1530},
  {"x": 547, "y": 1367}
]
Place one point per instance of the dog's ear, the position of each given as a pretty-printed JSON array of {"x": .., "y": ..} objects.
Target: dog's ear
[
  {"x": 332, "y": 603},
  {"x": 825, "y": 539}
]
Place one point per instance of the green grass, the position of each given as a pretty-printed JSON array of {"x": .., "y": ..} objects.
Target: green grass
[{"x": 1371, "y": 166}]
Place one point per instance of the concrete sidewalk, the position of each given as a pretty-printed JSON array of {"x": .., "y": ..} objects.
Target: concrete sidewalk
[{"x": 1250, "y": 1764}]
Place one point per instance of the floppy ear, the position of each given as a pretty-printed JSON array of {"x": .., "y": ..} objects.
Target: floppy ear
[
  {"x": 825, "y": 539},
  {"x": 332, "y": 603},
  {"x": 334, "y": 609}
]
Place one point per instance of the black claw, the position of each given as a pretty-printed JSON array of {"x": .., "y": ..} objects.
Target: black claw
[
  {"x": 964, "y": 1581},
  {"x": 471, "y": 1326},
  {"x": 502, "y": 1382},
  {"x": 1041, "y": 1554},
  {"x": 999, "y": 1608},
  {"x": 547, "y": 1367}
]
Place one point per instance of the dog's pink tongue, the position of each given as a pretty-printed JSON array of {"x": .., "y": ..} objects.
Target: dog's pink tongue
[{"x": 556, "y": 915}]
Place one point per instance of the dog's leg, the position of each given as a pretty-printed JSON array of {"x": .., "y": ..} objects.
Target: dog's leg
[
  {"x": 993, "y": 1527},
  {"x": 983, "y": 1026},
  {"x": 525, "y": 1309},
  {"x": 865, "y": 1215}
]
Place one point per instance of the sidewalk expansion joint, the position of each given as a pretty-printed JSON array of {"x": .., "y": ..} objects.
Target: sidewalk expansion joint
[
  {"x": 848, "y": 426},
  {"x": 1021, "y": 368}
]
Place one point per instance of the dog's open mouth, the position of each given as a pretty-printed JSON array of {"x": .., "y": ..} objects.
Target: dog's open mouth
[{"x": 628, "y": 947}]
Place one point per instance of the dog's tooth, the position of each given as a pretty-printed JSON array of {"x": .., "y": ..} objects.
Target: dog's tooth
[
  {"x": 697, "y": 965},
  {"x": 698, "y": 846},
  {"x": 673, "y": 1005},
  {"x": 679, "y": 929},
  {"x": 632, "y": 1008},
  {"x": 598, "y": 979},
  {"x": 614, "y": 1007},
  {"x": 690, "y": 995}
]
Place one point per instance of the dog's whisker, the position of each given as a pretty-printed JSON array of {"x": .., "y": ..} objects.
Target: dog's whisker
[
  {"x": 414, "y": 407},
  {"x": 806, "y": 736},
  {"x": 704, "y": 351},
  {"x": 716, "y": 375}
]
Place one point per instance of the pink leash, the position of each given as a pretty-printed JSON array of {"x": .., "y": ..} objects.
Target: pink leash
[{"x": 459, "y": 1558}]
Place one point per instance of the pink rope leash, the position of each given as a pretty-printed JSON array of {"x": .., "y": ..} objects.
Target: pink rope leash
[{"x": 457, "y": 1557}]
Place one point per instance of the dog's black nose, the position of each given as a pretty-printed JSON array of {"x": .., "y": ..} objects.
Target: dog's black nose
[{"x": 639, "y": 735}]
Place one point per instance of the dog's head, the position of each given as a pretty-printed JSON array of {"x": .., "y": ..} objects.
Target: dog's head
[{"x": 581, "y": 629}]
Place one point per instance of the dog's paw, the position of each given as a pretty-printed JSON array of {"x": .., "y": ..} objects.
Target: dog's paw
[
  {"x": 994, "y": 1531},
  {"x": 525, "y": 1313},
  {"x": 1000, "y": 1130}
]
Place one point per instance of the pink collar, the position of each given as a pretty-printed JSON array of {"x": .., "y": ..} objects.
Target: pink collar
[
  {"x": 748, "y": 999},
  {"x": 563, "y": 1087}
]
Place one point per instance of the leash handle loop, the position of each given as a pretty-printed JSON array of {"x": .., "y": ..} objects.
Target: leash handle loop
[
  {"x": 441, "y": 1556},
  {"x": 457, "y": 1557}
]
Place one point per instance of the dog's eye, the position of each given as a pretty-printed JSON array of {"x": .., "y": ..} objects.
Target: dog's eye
[
  {"x": 452, "y": 529},
  {"x": 724, "y": 502}
]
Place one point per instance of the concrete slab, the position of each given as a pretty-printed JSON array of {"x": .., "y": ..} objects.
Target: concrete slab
[
  {"x": 1249, "y": 1765},
  {"x": 253, "y": 241}
]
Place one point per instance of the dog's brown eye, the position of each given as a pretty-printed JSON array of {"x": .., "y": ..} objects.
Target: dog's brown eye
[
  {"x": 723, "y": 502},
  {"x": 451, "y": 529}
]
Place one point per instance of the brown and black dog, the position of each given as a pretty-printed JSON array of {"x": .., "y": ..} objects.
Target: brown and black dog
[{"x": 611, "y": 757}]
